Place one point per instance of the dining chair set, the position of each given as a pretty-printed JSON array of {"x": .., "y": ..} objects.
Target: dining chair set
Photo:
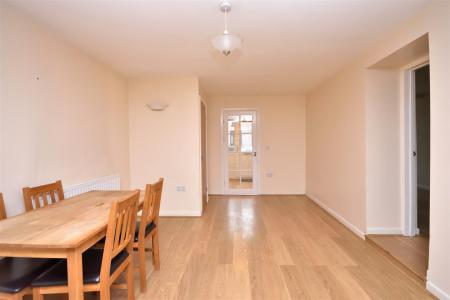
[{"x": 127, "y": 232}]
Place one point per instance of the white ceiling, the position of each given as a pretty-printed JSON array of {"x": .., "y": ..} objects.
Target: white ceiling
[{"x": 289, "y": 46}]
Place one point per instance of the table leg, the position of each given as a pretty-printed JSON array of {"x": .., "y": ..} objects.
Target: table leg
[{"x": 75, "y": 274}]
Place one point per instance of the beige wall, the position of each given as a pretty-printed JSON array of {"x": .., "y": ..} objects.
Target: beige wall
[
  {"x": 63, "y": 115},
  {"x": 1, "y": 96},
  {"x": 167, "y": 143},
  {"x": 281, "y": 142},
  {"x": 384, "y": 209},
  {"x": 335, "y": 147},
  {"x": 336, "y": 127}
]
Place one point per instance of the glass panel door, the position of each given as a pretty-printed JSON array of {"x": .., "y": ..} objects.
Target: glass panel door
[{"x": 240, "y": 152}]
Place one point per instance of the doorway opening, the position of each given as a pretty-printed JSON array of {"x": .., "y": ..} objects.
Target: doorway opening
[
  {"x": 239, "y": 153},
  {"x": 398, "y": 154},
  {"x": 421, "y": 153},
  {"x": 412, "y": 248},
  {"x": 417, "y": 141}
]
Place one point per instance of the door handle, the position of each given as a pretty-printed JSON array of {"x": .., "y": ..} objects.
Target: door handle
[
  {"x": 254, "y": 154},
  {"x": 414, "y": 153}
]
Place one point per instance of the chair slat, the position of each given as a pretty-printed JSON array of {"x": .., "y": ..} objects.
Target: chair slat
[
  {"x": 123, "y": 227},
  {"x": 118, "y": 230},
  {"x": 44, "y": 199},
  {"x": 52, "y": 198}
]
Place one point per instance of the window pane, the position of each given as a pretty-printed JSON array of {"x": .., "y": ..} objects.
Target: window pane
[
  {"x": 233, "y": 170},
  {"x": 246, "y": 118},
  {"x": 246, "y": 142},
  {"x": 233, "y": 133},
  {"x": 246, "y": 123},
  {"x": 246, "y": 170}
]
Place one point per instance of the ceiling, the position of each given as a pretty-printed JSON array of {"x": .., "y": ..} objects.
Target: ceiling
[{"x": 289, "y": 46}]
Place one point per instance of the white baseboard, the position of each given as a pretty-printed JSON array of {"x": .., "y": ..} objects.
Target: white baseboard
[
  {"x": 341, "y": 219},
  {"x": 375, "y": 230},
  {"x": 180, "y": 213},
  {"x": 441, "y": 294},
  {"x": 283, "y": 194}
]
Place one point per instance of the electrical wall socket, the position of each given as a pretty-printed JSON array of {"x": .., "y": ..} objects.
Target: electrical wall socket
[{"x": 181, "y": 188}]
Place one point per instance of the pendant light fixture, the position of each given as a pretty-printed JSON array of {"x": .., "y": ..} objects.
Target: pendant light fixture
[{"x": 226, "y": 42}]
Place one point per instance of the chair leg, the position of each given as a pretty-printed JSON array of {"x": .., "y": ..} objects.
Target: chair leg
[
  {"x": 37, "y": 295},
  {"x": 155, "y": 249},
  {"x": 130, "y": 281},
  {"x": 142, "y": 269}
]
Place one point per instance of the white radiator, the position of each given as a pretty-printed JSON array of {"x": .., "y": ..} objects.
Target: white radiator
[{"x": 106, "y": 183}]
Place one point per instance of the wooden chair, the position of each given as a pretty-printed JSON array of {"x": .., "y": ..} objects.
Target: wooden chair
[
  {"x": 2, "y": 208},
  {"x": 38, "y": 197},
  {"x": 101, "y": 267},
  {"x": 17, "y": 273},
  {"x": 148, "y": 228}
]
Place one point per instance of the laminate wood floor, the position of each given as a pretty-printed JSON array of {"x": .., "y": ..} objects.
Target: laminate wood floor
[
  {"x": 410, "y": 251},
  {"x": 271, "y": 247}
]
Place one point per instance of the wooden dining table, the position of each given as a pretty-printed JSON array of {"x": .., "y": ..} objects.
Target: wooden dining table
[{"x": 62, "y": 230}]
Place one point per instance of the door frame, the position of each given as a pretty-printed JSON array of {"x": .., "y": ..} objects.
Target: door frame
[
  {"x": 204, "y": 153},
  {"x": 410, "y": 147},
  {"x": 224, "y": 152}
]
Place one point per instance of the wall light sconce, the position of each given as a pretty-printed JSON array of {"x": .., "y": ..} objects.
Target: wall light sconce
[{"x": 157, "y": 105}]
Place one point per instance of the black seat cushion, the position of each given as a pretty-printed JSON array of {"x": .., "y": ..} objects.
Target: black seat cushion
[
  {"x": 92, "y": 262},
  {"x": 148, "y": 229},
  {"x": 16, "y": 273}
]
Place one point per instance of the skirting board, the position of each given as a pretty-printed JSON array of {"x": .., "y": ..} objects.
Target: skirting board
[
  {"x": 260, "y": 194},
  {"x": 180, "y": 213},
  {"x": 338, "y": 217},
  {"x": 432, "y": 288},
  {"x": 384, "y": 231}
]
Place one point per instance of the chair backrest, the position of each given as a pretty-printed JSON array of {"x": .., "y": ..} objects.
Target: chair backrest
[
  {"x": 43, "y": 195},
  {"x": 2, "y": 208},
  {"x": 152, "y": 202},
  {"x": 120, "y": 231}
]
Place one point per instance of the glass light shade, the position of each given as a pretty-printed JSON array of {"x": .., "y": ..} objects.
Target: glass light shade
[{"x": 226, "y": 42}]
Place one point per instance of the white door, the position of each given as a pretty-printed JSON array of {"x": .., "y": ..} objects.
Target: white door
[{"x": 239, "y": 152}]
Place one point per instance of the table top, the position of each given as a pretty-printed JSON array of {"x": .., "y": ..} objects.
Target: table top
[{"x": 64, "y": 225}]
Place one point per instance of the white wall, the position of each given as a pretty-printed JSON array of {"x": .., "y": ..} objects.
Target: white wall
[
  {"x": 342, "y": 98},
  {"x": 281, "y": 141},
  {"x": 167, "y": 143},
  {"x": 384, "y": 215},
  {"x": 63, "y": 115}
]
